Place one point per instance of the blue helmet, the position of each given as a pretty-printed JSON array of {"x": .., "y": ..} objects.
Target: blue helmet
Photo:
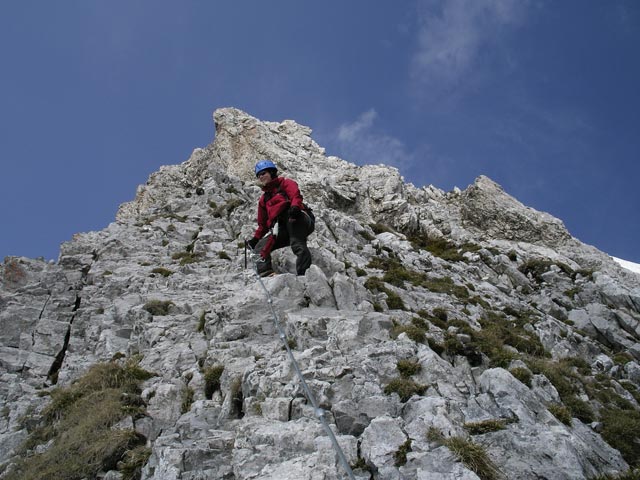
[{"x": 265, "y": 165}]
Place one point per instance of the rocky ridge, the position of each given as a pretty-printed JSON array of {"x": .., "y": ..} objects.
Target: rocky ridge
[{"x": 427, "y": 316}]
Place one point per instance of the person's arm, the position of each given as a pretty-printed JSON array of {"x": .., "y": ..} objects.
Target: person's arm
[
  {"x": 293, "y": 192},
  {"x": 262, "y": 229}
]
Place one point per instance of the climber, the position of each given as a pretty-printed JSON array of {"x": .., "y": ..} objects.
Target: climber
[{"x": 282, "y": 220}]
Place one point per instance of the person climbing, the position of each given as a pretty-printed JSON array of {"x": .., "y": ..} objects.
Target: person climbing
[{"x": 282, "y": 220}]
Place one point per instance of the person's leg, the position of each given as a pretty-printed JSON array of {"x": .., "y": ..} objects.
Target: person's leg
[
  {"x": 282, "y": 240},
  {"x": 263, "y": 264},
  {"x": 298, "y": 232}
]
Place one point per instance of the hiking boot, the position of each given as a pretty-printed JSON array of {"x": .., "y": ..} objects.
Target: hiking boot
[{"x": 264, "y": 268}]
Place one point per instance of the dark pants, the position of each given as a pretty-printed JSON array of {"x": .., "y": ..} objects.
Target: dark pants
[{"x": 294, "y": 234}]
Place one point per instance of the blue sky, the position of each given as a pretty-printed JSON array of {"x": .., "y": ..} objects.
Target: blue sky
[{"x": 542, "y": 96}]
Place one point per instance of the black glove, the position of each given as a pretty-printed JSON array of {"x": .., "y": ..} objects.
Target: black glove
[
  {"x": 253, "y": 242},
  {"x": 294, "y": 213}
]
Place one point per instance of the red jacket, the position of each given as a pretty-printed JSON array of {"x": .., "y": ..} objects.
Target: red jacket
[{"x": 279, "y": 194}]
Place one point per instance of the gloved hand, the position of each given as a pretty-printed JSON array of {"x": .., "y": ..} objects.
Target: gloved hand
[
  {"x": 294, "y": 213},
  {"x": 253, "y": 242}
]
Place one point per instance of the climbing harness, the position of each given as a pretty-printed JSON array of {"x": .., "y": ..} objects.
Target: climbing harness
[{"x": 318, "y": 411}]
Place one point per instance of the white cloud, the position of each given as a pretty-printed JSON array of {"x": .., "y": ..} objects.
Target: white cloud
[
  {"x": 454, "y": 35},
  {"x": 359, "y": 142},
  {"x": 349, "y": 132}
]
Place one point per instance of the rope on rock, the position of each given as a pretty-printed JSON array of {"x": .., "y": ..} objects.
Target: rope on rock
[{"x": 318, "y": 411}]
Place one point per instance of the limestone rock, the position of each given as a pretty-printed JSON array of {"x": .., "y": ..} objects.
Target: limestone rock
[
  {"x": 424, "y": 310},
  {"x": 487, "y": 207},
  {"x": 381, "y": 440}
]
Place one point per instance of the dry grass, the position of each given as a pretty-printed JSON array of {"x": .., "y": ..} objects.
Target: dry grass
[
  {"x": 158, "y": 307},
  {"x": 79, "y": 424},
  {"x": 405, "y": 388},
  {"x": 486, "y": 426},
  {"x": 408, "y": 367},
  {"x": 474, "y": 457},
  {"x": 471, "y": 454}
]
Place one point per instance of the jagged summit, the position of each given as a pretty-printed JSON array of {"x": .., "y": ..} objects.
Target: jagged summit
[
  {"x": 369, "y": 191},
  {"x": 429, "y": 319}
]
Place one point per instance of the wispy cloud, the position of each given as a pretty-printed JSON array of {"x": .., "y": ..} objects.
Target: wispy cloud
[
  {"x": 359, "y": 141},
  {"x": 624, "y": 19},
  {"x": 454, "y": 37}
]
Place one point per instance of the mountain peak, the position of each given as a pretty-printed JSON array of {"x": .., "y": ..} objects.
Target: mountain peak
[
  {"x": 428, "y": 319},
  {"x": 488, "y": 208}
]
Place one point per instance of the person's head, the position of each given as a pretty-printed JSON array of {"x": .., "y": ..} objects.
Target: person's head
[{"x": 266, "y": 171}]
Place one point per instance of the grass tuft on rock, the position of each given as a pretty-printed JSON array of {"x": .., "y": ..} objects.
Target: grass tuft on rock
[
  {"x": 438, "y": 247},
  {"x": 471, "y": 454},
  {"x": 188, "y": 256},
  {"x": 400, "y": 456},
  {"x": 408, "y": 367},
  {"x": 379, "y": 228},
  {"x": 187, "y": 399},
  {"x": 405, "y": 388},
  {"x": 79, "y": 424},
  {"x": 566, "y": 379},
  {"x": 537, "y": 267},
  {"x": 621, "y": 430},
  {"x": 414, "y": 332},
  {"x": 394, "y": 302},
  {"x": 485, "y": 426},
  {"x": 474, "y": 457},
  {"x": 158, "y": 307},
  {"x": 523, "y": 375},
  {"x": 212, "y": 380},
  {"x": 165, "y": 272},
  {"x": 132, "y": 462},
  {"x": 202, "y": 321},
  {"x": 398, "y": 275},
  {"x": 561, "y": 412},
  {"x": 632, "y": 474}
]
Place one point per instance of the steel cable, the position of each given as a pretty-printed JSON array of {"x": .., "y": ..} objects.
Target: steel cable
[{"x": 318, "y": 411}]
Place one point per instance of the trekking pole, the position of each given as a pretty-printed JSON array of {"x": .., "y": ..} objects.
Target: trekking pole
[{"x": 245, "y": 254}]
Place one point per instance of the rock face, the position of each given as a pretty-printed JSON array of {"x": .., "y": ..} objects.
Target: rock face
[
  {"x": 488, "y": 209},
  {"x": 427, "y": 316}
]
